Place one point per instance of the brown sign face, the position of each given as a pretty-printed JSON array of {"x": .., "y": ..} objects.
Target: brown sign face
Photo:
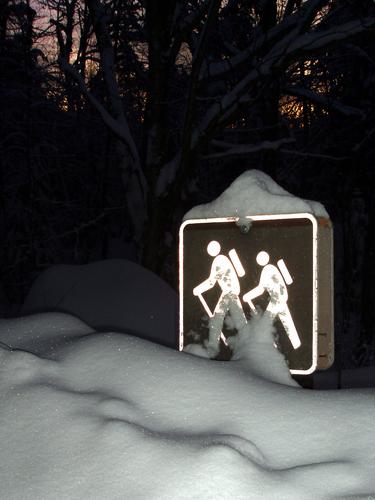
[{"x": 271, "y": 264}]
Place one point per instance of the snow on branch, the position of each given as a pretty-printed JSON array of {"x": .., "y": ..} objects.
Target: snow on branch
[
  {"x": 134, "y": 178},
  {"x": 299, "y": 19},
  {"x": 167, "y": 175},
  {"x": 245, "y": 149},
  {"x": 109, "y": 73},
  {"x": 324, "y": 101},
  {"x": 291, "y": 46},
  {"x": 319, "y": 39},
  {"x": 307, "y": 154},
  {"x": 108, "y": 119},
  {"x": 134, "y": 174},
  {"x": 219, "y": 69},
  {"x": 214, "y": 70}
]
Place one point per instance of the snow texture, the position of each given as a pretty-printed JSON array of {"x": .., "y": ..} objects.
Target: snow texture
[
  {"x": 255, "y": 193},
  {"x": 113, "y": 416}
]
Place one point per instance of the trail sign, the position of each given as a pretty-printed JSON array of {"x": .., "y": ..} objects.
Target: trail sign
[{"x": 279, "y": 264}]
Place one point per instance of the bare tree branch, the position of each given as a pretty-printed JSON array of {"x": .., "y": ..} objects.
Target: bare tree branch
[
  {"x": 198, "y": 58},
  {"x": 290, "y": 6},
  {"x": 307, "y": 154},
  {"x": 108, "y": 119},
  {"x": 184, "y": 24},
  {"x": 292, "y": 46},
  {"x": 246, "y": 149},
  {"x": 108, "y": 67},
  {"x": 360, "y": 144},
  {"x": 324, "y": 101},
  {"x": 168, "y": 173}
]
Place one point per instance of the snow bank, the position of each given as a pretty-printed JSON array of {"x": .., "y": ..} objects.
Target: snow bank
[
  {"x": 113, "y": 416},
  {"x": 42, "y": 334},
  {"x": 111, "y": 294},
  {"x": 255, "y": 193}
]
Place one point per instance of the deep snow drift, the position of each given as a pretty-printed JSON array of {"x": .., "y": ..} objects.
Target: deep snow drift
[
  {"x": 113, "y": 416},
  {"x": 112, "y": 294},
  {"x": 87, "y": 415}
]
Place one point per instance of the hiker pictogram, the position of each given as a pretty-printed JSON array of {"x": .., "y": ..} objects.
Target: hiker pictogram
[
  {"x": 281, "y": 268},
  {"x": 225, "y": 271},
  {"x": 274, "y": 280}
]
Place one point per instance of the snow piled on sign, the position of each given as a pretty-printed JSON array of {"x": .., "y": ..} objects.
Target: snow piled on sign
[
  {"x": 109, "y": 415},
  {"x": 255, "y": 193},
  {"x": 253, "y": 344}
]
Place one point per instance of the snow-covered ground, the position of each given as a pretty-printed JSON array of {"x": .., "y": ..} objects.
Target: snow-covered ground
[{"x": 106, "y": 415}]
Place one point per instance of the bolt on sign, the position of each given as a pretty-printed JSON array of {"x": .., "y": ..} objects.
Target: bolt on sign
[{"x": 281, "y": 265}]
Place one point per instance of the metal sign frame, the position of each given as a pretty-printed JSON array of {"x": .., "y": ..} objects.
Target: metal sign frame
[{"x": 249, "y": 219}]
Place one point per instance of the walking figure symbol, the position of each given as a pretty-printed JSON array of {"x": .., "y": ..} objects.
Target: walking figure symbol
[
  {"x": 226, "y": 271},
  {"x": 272, "y": 281}
]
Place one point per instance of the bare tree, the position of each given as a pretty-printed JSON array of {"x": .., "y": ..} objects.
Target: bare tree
[{"x": 201, "y": 69}]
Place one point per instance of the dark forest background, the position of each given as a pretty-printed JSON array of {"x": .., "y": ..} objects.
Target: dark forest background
[{"x": 118, "y": 116}]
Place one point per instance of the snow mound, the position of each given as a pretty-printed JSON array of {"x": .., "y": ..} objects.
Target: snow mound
[
  {"x": 255, "y": 193},
  {"x": 251, "y": 346},
  {"x": 114, "y": 416},
  {"x": 42, "y": 333},
  {"x": 254, "y": 345},
  {"x": 112, "y": 294}
]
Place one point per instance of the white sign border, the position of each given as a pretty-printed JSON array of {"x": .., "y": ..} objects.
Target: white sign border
[{"x": 301, "y": 215}]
